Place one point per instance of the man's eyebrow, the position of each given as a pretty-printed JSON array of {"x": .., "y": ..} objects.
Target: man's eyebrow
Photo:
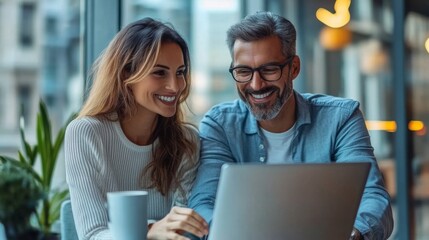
[
  {"x": 271, "y": 63},
  {"x": 263, "y": 65}
]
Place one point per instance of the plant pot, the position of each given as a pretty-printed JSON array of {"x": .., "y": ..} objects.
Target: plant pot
[
  {"x": 33, "y": 234},
  {"x": 51, "y": 236},
  {"x": 30, "y": 233}
]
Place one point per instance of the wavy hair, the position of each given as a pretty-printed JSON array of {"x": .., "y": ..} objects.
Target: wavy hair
[{"x": 128, "y": 59}]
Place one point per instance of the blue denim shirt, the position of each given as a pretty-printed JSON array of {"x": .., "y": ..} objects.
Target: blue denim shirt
[{"x": 328, "y": 129}]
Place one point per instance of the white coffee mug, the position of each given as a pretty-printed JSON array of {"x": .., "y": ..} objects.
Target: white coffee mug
[
  {"x": 128, "y": 214},
  {"x": 2, "y": 232}
]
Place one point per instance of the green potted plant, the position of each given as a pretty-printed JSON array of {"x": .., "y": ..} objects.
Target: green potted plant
[
  {"x": 19, "y": 200},
  {"x": 46, "y": 150}
]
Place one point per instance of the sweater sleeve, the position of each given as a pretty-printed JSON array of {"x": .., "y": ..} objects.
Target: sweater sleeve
[{"x": 83, "y": 158}]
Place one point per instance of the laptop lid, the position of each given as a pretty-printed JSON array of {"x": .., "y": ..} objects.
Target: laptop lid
[{"x": 288, "y": 201}]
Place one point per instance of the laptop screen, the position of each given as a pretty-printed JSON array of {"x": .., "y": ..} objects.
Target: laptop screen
[{"x": 288, "y": 201}]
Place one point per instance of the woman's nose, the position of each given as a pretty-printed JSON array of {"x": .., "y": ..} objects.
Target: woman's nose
[{"x": 175, "y": 84}]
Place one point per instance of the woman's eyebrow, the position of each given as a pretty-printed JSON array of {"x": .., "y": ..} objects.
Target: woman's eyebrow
[
  {"x": 166, "y": 67},
  {"x": 162, "y": 66}
]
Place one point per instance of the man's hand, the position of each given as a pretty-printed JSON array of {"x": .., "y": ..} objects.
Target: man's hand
[{"x": 178, "y": 221}]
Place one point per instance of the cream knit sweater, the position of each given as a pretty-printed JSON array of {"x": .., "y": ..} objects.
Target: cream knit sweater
[{"x": 100, "y": 159}]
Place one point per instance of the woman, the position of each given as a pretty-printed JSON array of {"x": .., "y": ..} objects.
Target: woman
[{"x": 130, "y": 134}]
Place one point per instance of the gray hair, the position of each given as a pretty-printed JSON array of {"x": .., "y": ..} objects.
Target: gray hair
[{"x": 260, "y": 25}]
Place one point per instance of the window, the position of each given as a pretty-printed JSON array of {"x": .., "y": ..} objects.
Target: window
[
  {"x": 26, "y": 28},
  {"x": 40, "y": 61},
  {"x": 51, "y": 26}
]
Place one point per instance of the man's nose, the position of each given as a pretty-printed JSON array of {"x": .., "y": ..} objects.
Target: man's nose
[{"x": 256, "y": 82}]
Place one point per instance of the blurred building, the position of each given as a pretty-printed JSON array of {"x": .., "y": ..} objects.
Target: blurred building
[
  {"x": 39, "y": 54},
  {"x": 20, "y": 66}
]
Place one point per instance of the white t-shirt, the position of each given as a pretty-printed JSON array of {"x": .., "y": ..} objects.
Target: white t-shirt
[{"x": 278, "y": 146}]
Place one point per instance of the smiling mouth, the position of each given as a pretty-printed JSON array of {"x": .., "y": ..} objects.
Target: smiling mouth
[
  {"x": 261, "y": 95},
  {"x": 167, "y": 99}
]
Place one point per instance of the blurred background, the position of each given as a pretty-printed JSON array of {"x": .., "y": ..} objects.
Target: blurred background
[{"x": 374, "y": 51}]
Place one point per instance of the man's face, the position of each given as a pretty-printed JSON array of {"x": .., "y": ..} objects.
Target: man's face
[{"x": 264, "y": 98}]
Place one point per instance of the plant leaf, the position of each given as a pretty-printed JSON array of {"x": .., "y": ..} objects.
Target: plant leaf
[
  {"x": 60, "y": 136},
  {"x": 58, "y": 142},
  {"x": 45, "y": 145},
  {"x": 42, "y": 148},
  {"x": 34, "y": 156},
  {"x": 23, "y": 165},
  {"x": 56, "y": 201},
  {"x": 21, "y": 157},
  {"x": 25, "y": 145},
  {"x": 49, "y": 161}
]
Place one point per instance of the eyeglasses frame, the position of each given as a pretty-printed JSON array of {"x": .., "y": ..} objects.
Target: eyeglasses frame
[{"x": 282, "y": 65}]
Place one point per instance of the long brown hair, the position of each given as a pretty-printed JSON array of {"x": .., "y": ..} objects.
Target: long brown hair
[{"x": 130, "y": 57}]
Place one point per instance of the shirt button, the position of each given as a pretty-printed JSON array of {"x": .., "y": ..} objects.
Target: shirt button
[
  {"x": 261, "y": 159},
  {"x": 261, "y": 146}
]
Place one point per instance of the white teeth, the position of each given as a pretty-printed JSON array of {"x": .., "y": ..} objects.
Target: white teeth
[
  {"x": 259, "y": 96},
  {"x": 167, "y": 99}
]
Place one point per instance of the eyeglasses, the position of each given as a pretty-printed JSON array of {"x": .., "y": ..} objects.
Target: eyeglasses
[{"x": 268, "y": 72}]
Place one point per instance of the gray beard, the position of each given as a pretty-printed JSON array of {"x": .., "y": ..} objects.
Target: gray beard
[{"x": 264, "y": 111}]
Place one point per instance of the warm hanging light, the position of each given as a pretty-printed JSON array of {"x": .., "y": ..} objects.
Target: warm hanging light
[
  {"x": 416, "y": 125},
  {"x": 427, "y": 45},
  {"x": 338, "y": 19},
  {"x": 373, "y": 58},
  {"x": 390, "y": 126},
  {"x": 335, "y": 38}
]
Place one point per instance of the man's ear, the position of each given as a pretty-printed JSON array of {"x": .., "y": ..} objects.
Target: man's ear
[{"x": 295, "y": 67}]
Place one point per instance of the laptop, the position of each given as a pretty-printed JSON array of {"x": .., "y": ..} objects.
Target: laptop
[{"x": 288, "y": 201}]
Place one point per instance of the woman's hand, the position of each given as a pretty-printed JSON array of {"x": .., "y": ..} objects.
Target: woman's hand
[{"x": 178, "y": 221}]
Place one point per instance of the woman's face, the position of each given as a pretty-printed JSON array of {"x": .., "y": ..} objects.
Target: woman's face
[{"x": 159, "y": 92}]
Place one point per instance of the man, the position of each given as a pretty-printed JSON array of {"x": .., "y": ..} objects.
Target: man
[{"x": 272, "y": 123}]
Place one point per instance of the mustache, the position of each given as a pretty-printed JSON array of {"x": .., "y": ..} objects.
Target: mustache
[{"x": 261, "y": 91}]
